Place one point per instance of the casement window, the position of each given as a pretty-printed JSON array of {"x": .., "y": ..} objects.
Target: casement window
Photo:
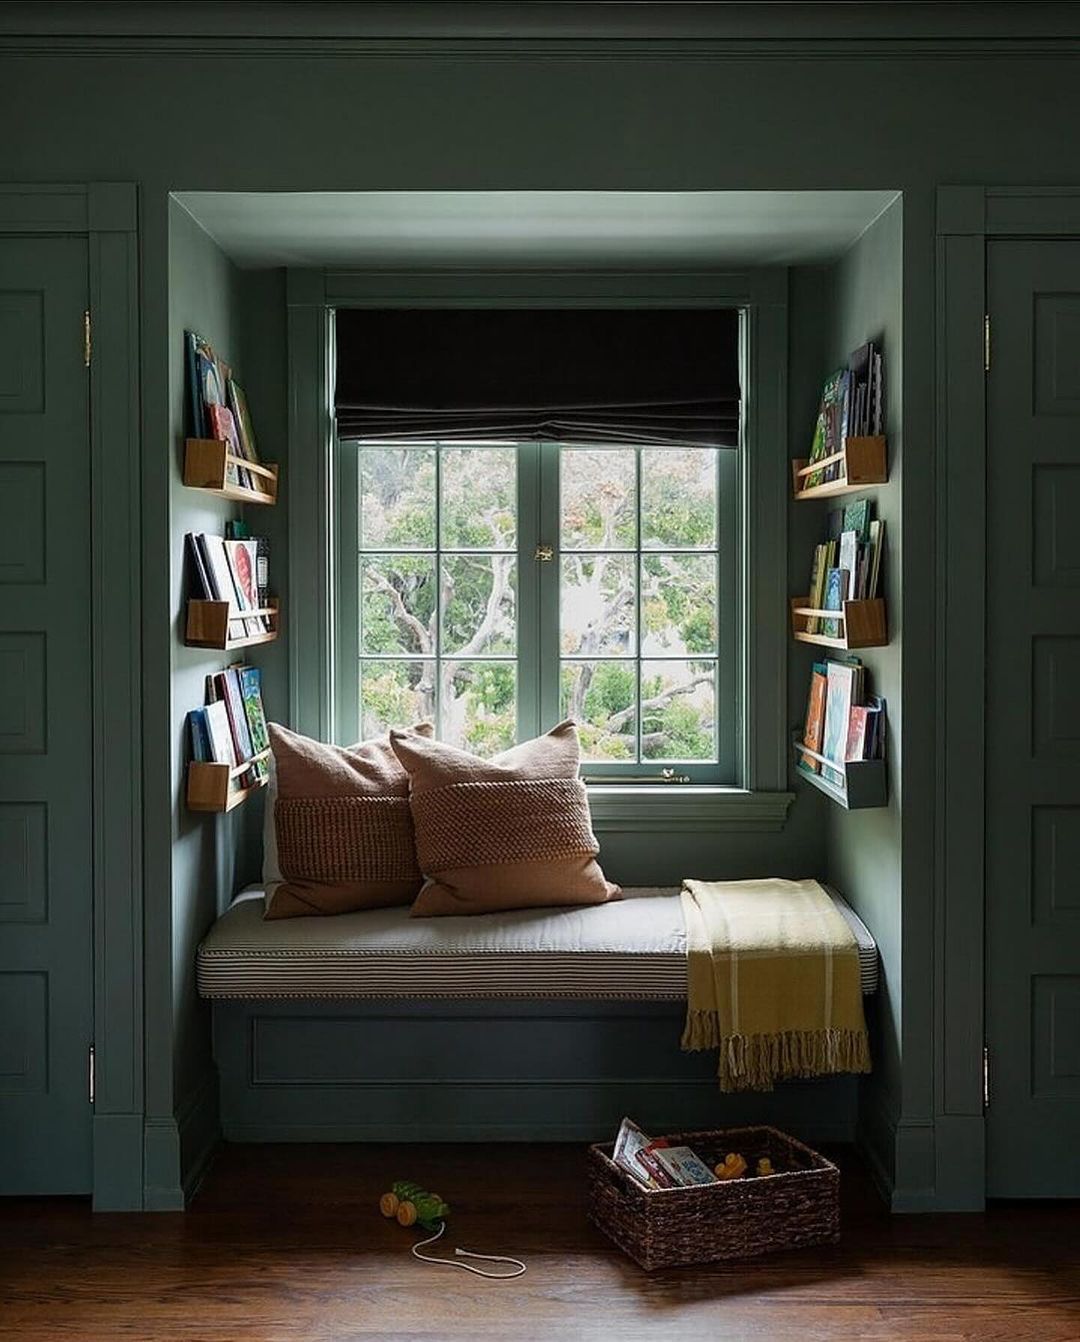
[
  {"x": 502, "y": 586},
  {"x": 518, "y": 498}
]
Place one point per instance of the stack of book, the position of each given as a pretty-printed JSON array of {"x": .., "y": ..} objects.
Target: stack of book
[
  {"x": 217, "y": 407},
  {"x": 229, "y": 570},
  {"x": 852, "y": 406},
  {"x": 847, "y": 564},
  {"x": 843, "y": 723},
  {"x": 231, "y": 729}
]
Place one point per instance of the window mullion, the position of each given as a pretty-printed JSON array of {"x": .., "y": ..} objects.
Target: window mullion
[{"x": 548, "y": 577}]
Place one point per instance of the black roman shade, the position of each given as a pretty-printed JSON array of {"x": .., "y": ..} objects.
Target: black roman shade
[{"x": 643, "y": 375}]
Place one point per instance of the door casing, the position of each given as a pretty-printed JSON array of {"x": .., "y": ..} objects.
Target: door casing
[
  {"x": 967, "y": 217},
  {"x": 106, "y": 214}
]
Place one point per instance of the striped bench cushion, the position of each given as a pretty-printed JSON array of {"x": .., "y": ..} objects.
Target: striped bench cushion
[{"x": 632, "y": 950}]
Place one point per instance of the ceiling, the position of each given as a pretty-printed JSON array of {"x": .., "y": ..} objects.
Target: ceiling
[{"x": 587, "y": 229}]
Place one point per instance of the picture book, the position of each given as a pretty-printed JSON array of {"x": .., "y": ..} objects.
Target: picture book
[
  {"x": 660, "y": 1174},
  {"x": 239, "y": 406},
  {"x": 201, "y": 588},
  {"x": 242, "y": 560},
  {"x": 877, "y": 543},
  {"x": 629, "y": 1141},
  {"x": 229, "y": 690},
  {"x": 251, "y": 692},
  {"x": 857, "y": 518},
  {"x": 208, "y": 380},
  {"x": 849, "y": 560},
  {"x": 684, "y": 1166},
  {"x": 199, "y": 735},
  {"x": 836, "y": 585},
  {"x": 856, "y": 737},
  {"x": 838, "y": 700},
  {"x": 826, "y": 430},
  {"x": 815, "y": 718},
  {"x": 222, "y": 749},
  {"x": 221, "y": 579},
  {"x": 817, "y": 586},
  {"x": 222, "y": 426}
]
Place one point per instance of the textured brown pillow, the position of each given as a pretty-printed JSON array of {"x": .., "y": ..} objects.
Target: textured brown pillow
[
  {"x": 340, "y": 834},
  {"x": 512, "y": 832}
]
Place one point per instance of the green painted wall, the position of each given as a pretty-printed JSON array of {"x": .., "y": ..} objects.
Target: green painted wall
[
  {"x": 864, "y": 846},
  {"x": 298, "y": 118}
]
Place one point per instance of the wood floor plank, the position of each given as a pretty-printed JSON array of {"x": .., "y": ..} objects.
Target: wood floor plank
[{"x": 285, "y": 1244}]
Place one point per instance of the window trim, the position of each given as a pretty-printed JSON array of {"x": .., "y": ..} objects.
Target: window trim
[{"x": 314, "y": 547}]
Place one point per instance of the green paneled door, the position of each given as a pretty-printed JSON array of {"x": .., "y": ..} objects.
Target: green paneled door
[
  {"x": 1033, "y": 721},
  {"x": 45, "y": 719}
]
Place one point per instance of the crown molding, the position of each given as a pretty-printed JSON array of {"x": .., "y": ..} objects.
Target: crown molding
[{"x": 505, "y": 30}]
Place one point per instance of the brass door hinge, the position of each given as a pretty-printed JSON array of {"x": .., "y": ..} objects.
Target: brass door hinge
[
  {"x": 86, "y": 338},
  {"x": 986, "y": 342}
]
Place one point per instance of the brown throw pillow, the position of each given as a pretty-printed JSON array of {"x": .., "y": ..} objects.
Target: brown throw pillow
[
  {"x": 511, "y": 832},
  {"x": 339, "y": 831}
]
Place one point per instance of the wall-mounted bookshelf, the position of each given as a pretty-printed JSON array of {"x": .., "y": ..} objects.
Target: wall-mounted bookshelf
[
  {"x": 864, "y": 781},
  {"x": 207, "y": 625},
  {"x": 210, "y": 786},
  {"x": 861, "y": 624},
  {"x": 206, "y": 466},
  {"x": 862, "y": 462}
]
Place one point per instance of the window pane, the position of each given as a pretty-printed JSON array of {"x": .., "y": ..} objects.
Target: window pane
[
  {"x": 478, "y": 602},
  {"x": 678, "y": 604},
  {"x": 478, "y": 711},
  {"x": 397, "y": 604},
  {"x": 598, "y": 494},
  {"x": 397, "y": 498},
  {"x": 395, "y": 694},
  {"x": 479, "y": 498},
  {"x": 678, "y": 710},
  {"x": 678, "y": 498},
  {"x": 601, "y": 697},
  {"x": 598, "y": 605}
]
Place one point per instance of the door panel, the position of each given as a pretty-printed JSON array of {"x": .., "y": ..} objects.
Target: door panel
[
  {"x": 1033, "y": 721},
  {"x": 45, "y": 719}
]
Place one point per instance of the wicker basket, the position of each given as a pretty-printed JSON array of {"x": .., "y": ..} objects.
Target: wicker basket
[{"x": 737, "y": 1219}]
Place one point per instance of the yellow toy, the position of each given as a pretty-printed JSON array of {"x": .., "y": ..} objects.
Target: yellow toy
[
  {"x": 733, "y": 1166},
  {"x": 409, "y": 1204},
  {"x": 764, "y": 1167}
]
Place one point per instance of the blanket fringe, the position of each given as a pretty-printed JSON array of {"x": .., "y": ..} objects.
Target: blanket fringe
[{"x": 757, "y": 1062}]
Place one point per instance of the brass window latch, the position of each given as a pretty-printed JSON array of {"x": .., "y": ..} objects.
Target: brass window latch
[{"x": 544, "y": 554}]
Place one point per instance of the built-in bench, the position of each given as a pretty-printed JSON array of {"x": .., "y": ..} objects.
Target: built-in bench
[{"x": 529, "y": 1025}]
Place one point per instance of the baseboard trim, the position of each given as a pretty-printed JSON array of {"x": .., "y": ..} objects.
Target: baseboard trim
[
  {"x": 179, "y": 1149},
  {"x": 118, "y": 1162}
]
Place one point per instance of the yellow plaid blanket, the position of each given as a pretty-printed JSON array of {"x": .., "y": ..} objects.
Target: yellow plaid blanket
[{"x": 773, "y": 982}]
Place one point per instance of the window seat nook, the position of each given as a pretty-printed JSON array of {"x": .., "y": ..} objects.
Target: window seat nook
[
  {"x": 632, "y": 950},
  {"x": 535, "y": 1025}
]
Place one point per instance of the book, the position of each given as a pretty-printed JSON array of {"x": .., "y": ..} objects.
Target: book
[
  {"x": 826, "y": 429},
  {"x": 839, "y": 695},
  {"x": 856, "y": 737},
  {"x": 684, "y": 1166},
  {"x": 815, "y": 718},
  {"x": 660, "y": 1175},
  {"x": 817, "y": 587},
  {"x": 877, "y": 542},
  {"x": 836, "y": 585},
  {"x": 199, "y": 736},
  {"x": 239, "y": 406},
  {"x": 251, "y": 693},
  {"x": 222, "y": 749},
  {"x": 857, "y": 518},
  {"x": 207, "y": 382},
  {"x": 849, "y": 560},
  {"x": 221, "y": 579},
  {"x": 242, "y": 560},
  {"x": 222, "y": 426},
  {"x": 628, "y": 1142},
  {"x": 228, "y": 683},
  {"x": 201, "y": 585}
]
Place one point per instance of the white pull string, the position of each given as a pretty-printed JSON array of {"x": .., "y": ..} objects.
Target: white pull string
[{"x": 519, "y": 1266}]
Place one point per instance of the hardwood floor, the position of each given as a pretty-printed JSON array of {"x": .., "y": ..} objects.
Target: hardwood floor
[{"x": 285, "y": 1243}]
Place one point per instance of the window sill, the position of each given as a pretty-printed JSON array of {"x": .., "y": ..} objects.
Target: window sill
[{"x": 672, "y": 808}]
